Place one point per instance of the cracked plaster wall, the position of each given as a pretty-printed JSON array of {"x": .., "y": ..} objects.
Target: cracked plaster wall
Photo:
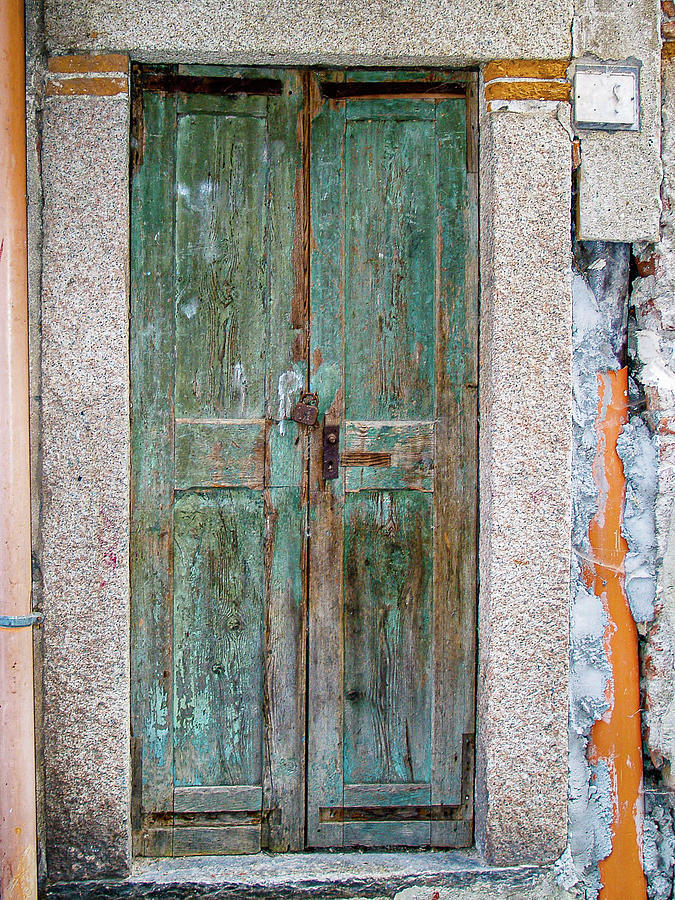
[{"x": 600, "y": 290}]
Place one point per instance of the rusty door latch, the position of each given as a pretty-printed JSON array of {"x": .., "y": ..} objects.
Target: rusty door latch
[
  {"x": 306, "y": 410},
  {"x": 331, "y": 451}
]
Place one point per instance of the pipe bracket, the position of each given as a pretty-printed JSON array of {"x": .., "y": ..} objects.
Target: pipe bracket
[{"x": 21, "y": 621}]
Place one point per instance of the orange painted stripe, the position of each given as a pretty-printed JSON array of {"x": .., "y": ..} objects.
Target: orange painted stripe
[
  {"x": 527, "y": 90},
  {"x": 96, "y": 87},
  {"x": 525, "y": 68},
  {"x": 616, "y": 738},
  {"x": 110, "y": 62}
]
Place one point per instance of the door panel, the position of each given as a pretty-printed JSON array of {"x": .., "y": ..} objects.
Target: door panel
[
  {"x": 390, "y": 236},
  {"x": 392, "y": 539},
  {"x": 218, "y": 637},
  {"x": 387, "y": 637},
  {"x": 221, "y": 264},
  {"x": 219, "y": 357}
]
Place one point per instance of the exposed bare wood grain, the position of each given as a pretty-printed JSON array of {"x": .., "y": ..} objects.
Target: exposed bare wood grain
[
  {"x": 215, "y": 455},
  {"x": 387, "y": 794},
  {"x": 455, "y": 515},
  {"x": 332, "y": 238},
  {"x": 232, "y": 598},
  {"x": 394, "y": 236},
  {"x": 209, "y": 840},
  {"x": 226, "y": 798},
  {"x": 152, "y": 468}
]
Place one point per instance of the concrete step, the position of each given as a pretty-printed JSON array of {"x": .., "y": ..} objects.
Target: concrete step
[{"x": 307, "y": 876}]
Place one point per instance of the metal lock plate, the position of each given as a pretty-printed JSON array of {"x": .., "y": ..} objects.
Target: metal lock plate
[
  {"x": 306, "y": 410},
  {"x": 331, "y": 451}
]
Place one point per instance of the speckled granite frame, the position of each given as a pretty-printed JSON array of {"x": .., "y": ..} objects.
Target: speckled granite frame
[{"x": 525, "y": 397}]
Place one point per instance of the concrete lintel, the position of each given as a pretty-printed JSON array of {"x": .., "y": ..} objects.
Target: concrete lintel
[
  {"x": 525, "y": 484},
  {"x": 85, "y": 511},
  {"x": 306, "y": 32}
]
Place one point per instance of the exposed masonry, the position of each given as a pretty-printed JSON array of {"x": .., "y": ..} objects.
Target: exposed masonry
[
  {"x": 659, "y": 844},
  {"x": 600, "y": 290},
  {"x": 652, "y": 351}
]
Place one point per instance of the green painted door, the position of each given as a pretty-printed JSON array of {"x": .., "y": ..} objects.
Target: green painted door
[
  {"x": 218, "y": 351},
  {"x": 392, "y": 540},
  {"x": 286, "y": 236}
]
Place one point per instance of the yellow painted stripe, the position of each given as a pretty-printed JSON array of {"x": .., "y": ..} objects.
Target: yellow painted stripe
[
  {"x": 527, "y": 90},
  {"x": 668, "y": 50},
  {"x": 110, "y": 62},
  {"x": 97, "y": 87},
  {"x": 526, "y": 68}
]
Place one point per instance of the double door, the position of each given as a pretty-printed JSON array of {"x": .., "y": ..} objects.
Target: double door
[{"x": 303, "y": 594}]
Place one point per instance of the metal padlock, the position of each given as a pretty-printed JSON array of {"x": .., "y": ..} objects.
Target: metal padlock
[{"x": 306, "y": 410}]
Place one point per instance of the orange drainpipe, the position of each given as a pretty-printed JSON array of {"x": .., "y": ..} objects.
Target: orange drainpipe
[
  {"x": 616, "y": 738},
  {"x": 18, "y": 871}
]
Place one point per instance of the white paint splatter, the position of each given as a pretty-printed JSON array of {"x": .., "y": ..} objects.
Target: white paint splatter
[
  {"x": 239, "y": 383},
  {"x": 190, "y": 307},
  {"x": 638, "y": 453},
  {"x": 289, "y": 383}
]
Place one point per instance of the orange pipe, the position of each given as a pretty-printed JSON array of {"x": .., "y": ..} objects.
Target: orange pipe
[
  {"x": 616, "y": 738},
  {"x": 18, "y": 872}
]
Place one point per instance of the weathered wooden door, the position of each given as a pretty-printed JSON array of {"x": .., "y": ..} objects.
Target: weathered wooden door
[
  {"x": 392, "y": 539},
  {"x": 243, "y": 554},
  {"x": 218, "y": 341}
]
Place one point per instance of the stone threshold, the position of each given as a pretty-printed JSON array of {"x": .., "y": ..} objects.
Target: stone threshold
[{"x": 302, "y": 876}]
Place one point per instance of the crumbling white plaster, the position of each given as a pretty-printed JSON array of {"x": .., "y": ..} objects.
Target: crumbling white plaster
[
  {"x": 640, "y": 465},
  {"x": 600, "y": 296},
  {"x": 653, "y": 348},
  {"x": 659, "y": 845}
]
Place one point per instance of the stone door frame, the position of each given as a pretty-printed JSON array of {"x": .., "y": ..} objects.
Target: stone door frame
[{"x": 524, "y": 468}]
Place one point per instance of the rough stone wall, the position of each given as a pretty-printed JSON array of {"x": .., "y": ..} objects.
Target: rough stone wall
[
  {"x": 82, "y": 703},
  {"x": 620, "y": 171},
  {"x": 310, "y": 32}
]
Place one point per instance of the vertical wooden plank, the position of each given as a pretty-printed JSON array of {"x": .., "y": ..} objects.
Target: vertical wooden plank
[
  {"x": 152, "y": 354},
  {"x": 325, "y": 700},
  {"x": 287, "y": 324},
  {"x": 388, "y": 611},
  {"x": 218, "y": 637},
  {"x": 285, "y": 499},
  {"x": 284, "y": 688},
  {"x": 456, "y": 468}
]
